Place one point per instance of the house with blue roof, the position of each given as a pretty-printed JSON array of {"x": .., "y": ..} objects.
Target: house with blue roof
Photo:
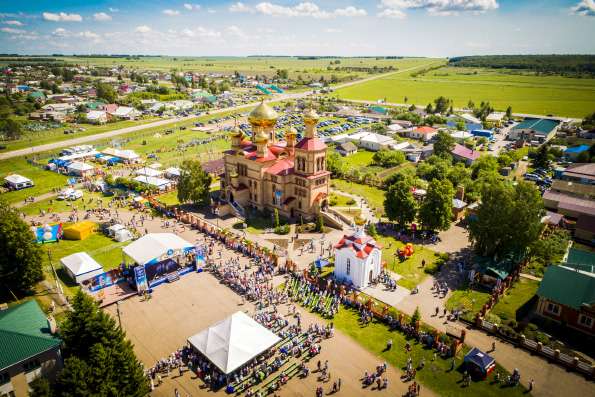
[
  {"x": 573, "y": 152},
  {"x": 29, "y": 348}
]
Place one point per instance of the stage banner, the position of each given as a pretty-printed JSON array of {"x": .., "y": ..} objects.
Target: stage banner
[
  {"x": 200, "y": 259},
  {"x": 141, "y": 278}
]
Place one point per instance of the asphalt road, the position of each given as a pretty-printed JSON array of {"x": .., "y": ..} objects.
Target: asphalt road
[{"x": 113, "y": 133}]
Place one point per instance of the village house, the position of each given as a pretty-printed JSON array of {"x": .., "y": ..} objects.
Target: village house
[
  {"x": 424, "y": 133},
  {"x": 534, "y": 130},
  {"x": 567, "y": 296},
  {"x": 358, "y": 259},
  {"x": 464, "y": 154}
]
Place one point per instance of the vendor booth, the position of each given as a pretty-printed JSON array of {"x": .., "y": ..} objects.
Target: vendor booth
[
  {"x": 160, "y": 255},
  {"x": 233, "y": 342},
  {"x": 479, "y": 364},
  {"x": 80, "y": 266}
]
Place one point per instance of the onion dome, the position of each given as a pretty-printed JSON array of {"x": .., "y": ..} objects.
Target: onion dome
[
  {"x": 310, "y": 116},
  {"x": 263, "y": 115},
  {"x": 261, "y": 137}
]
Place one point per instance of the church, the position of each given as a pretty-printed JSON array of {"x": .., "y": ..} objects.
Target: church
[
  {"x": 263, "y": 172},
  {"x": 358, "y": 259}
]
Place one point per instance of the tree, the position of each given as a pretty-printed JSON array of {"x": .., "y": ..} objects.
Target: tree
[
  {"x": 460, "y": 125},
  {"x": 320, "y": 224},
  {"x": 100, "y": 361},
  {"x": 429, "y": 108},
  {"x": 10, "y": 128},
  {"x": 444, "y": 144},
  {"x": 435, "y": 213},
  {"x": 106, "y": 92},
  {"x": 20, "y": 262},
  {"x": 194, "y": 183},
  {"x": 379, "y": 128},
  {"x": 336, "y": 164},
  {"x": 40, "y": 387},
  {"x": 588, "y": 122},
  {"x": 552, "y": 248},
  {"x": 416, "y": 316},
  {"x": 399, "y": 203},
  {"x": 441, "y": 104},
  {"x": 542, "y": 157},
  {"x": 484, "y": 164},
  {"x": 388, "y": 158},
  {"x": 508, "y": 217},
  {"x": 509, "y": 112},
  {"x": 276, "y": 218},
  {"x": 372, "y": 230}
]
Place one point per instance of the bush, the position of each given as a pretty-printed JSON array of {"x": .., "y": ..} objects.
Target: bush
[
  {"x": 282, "y": 229},
  {"x": 508, "y": 332},
  {"x": 351, "y": 202}
]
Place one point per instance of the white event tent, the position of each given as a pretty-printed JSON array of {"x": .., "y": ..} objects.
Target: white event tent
[
  {"x": 155, "y": 247},
  {"x": 233, "y": 342},
  {"x": 80, "y": 266}
]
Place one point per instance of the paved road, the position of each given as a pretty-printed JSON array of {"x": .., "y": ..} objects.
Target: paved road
[{"x": 113, "y": 133}]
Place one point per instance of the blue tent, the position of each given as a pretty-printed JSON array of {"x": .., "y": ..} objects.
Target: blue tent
[
  {"x": 485, "y": 133},
  {"x": 479, "y": 362}
]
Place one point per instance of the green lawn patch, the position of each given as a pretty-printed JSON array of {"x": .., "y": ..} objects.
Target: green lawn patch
[
  {"x": 517, "y": 296},
  {"x": 411, "y": 269},
  {"x": 362, "y": 158},
  {"x": 436, "y": 375},
  {"x": 45, "y": 181},
  {"x": 340, "y": 200},
  {"x": 374, "y": 195},
  {"x": 469, "y": 301},
  {"x": 107, "y": 252},
  {"x": 169, "y": 198}
]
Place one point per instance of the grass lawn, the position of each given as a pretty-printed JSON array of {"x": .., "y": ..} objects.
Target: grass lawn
[
  {"x": 374, "y": 195},
  {"x": 34, "y": 138},
  {"x": 362, "y": 158},
  {"x": 65, "y": 205},
  {"x": 520, "y": 293},
  {"x": 468, "y": 300},
  {"x": 526, "y": 93},
  {"x": 340, "y": 200},
  {"x": 45, "y": 181},
  {"x": 410, "y": 268},
  {"x": 103, "y": 249},
  {"x": 436, "y": 375},
  {"x": 351, "y": 212},
  {"x": 169, "y": 198}
]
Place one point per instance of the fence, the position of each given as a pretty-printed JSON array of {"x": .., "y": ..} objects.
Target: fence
[{"x": 555, "y": 355}]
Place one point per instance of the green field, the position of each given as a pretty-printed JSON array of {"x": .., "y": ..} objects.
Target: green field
[
  {"x": 307, "y": 68},
  {"x": 374, "y": 196},
  {"x": 525, "y": 92},
  {"x": 521, "y": 292},
  {"x": 34, "y": 138},
  {"x": 45, "y": 181}
]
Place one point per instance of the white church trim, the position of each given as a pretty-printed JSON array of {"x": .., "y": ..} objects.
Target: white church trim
[{"x": 358, "y": 259}]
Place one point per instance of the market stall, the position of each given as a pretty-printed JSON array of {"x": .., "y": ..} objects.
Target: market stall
[{"x": 80, "y": 266}]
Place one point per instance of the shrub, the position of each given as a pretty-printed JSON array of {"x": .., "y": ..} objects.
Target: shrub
[
  {"x": 351, "y": 202},
  {"x": 283, "y": 229}
]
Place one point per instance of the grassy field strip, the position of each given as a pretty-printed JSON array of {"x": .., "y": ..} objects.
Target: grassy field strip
[{"x": 508, "y": 83}]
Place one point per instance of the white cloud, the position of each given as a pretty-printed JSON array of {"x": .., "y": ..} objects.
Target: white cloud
[
  {"x": 304, "y": 9},
  {"x": 89, "y": 35},
  {"x": 211, "y": 10},
  {"x": 142, "y": 29},
  {"x": 191, "y": 7},
  {"x": 61, "y": 17},
  {"x": 102, "y": 16},
  {"x": 240, "y": 7},
  {"x": 61, "y": 32},
  {"x": 392, "y": 13},
  {"x": 585, "y": 8},
  {"x": 111, "y": 9},
  {"x": 350, "y": 11},
  {"x": 333, "y": 30},
  {"x": 13, "y": 31},
  {"x": 171, "y": 13},
  {"x": 13, "y": 23},
  {"x": 394, "y": 8}
]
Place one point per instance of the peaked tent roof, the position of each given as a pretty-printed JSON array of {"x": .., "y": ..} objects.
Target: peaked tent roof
[
  {"x": 234, "y": 341},
  {"x": 80, "y": 263},
  {"x": 153, "y": 245},
  {"x": 24, "y": 333}
]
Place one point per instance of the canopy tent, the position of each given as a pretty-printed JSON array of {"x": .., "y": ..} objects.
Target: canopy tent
[
  {"x": 155, "y": 247},
  {"x": 153, "y": 181},
  {"x": 80, "y": 266},
  {"x": 233, "y": 342},
  {"x": 480, "y": 363}
]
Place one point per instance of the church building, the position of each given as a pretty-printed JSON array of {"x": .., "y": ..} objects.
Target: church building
[
  {"x": 358, "y": 259},
  {"x": 263, "y": 172}
]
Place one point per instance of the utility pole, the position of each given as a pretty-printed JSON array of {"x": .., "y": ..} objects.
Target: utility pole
[
  {"x": 58, "y": 286},
  {"x": 118, "y": 312}
]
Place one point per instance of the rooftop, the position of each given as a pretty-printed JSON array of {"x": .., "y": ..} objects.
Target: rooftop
[
  {"x": 24, "y": 333},
  {"x": 464, "y": 152},
  {"x": 545, "y": 126},
  {"x": 568, "y": 286}
]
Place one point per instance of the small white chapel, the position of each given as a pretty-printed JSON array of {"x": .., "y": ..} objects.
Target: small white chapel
[{"x": 358, "y": 259}]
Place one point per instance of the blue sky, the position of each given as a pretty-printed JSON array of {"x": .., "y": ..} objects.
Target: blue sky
[{"x": 285, "y": 27}]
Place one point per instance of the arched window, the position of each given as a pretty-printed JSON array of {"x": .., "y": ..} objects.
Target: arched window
[{"x": 348, "y": 266}]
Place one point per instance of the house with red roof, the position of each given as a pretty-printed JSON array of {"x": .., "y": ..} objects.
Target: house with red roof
[
  {"x": 358, "y": 259},
  {"x": 463, "y": 153},
  {"x": 264, "y": 172},
  {"x": 423, "y": 133}
]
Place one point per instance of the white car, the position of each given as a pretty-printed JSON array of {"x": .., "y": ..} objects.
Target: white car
[{"x": 70, "y": 194}]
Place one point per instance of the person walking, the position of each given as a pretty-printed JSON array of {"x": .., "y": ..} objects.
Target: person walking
[
  {"x": 531, "y": 385},
  {"x": 493, "y": 346},
  {"x": 389, "y": 344}
]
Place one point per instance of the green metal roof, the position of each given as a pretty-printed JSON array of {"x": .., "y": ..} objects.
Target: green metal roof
[
  {"x": 93, "y": 105},
  {"x": 544, "y": 126},
  {"x": 567, "y": 286},
  {"x": 24, "y": 333},
  {"x": 37, "y": 94}
]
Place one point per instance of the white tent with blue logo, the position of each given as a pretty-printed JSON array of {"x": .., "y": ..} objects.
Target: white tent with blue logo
[{"x": 156, "y": 247}]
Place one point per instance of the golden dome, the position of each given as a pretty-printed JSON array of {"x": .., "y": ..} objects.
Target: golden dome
[
  {"x": 263, "y": 115},
  {"x": 291, "y": 132},
  {"x": 236, "y": 132},
  {"x": 310, "y": 116},
  {"x": 261, "y": 137}
]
